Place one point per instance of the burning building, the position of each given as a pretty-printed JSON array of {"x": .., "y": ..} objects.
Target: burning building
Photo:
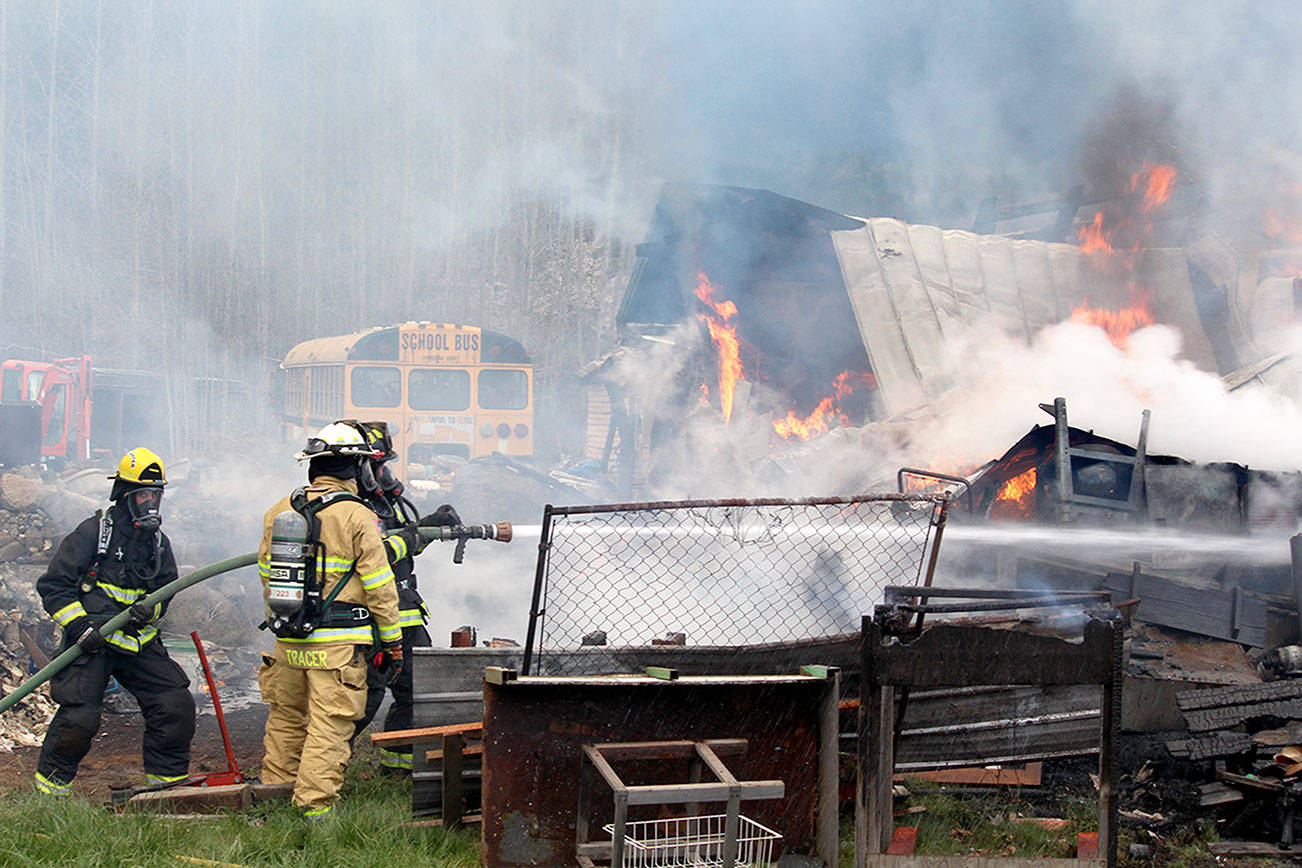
[{"x": 784, "y": 320}]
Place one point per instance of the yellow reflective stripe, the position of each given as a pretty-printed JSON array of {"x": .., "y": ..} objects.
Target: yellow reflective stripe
[
  {"x": 264, "y": 567},
  {"x": 68, "y": 613},
  {"x": 335, "y": 635},
  {"x": 126, "y": 596},
  {"x": 53, "y": 788},
  {"x": 391, "y": 634},
  {"x": 336, "y": 565},
  {"x": 377, "y": 579},
  {"x": 318, "y": 812},
  {"x": 163, "y": 779},
  {"x": 132, "y": 644},
  {"x": 411, "y": 618},
  {"x": 397, "y": 547},
  {"x": 394, "y": 759}
]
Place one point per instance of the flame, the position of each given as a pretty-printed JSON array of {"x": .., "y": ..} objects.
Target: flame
[
  {"x": 1016, "y": 497},
  {"x": 203, "y": 688},
  {"x": 1111, "y": 243},
  {"x": 724, "y": 338},
  {"x": 828, "y": 409},
  {"x": 1117, "y": 323}
]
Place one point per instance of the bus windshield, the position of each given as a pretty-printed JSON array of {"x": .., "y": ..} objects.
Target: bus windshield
[{"x": 438, "y": 389}]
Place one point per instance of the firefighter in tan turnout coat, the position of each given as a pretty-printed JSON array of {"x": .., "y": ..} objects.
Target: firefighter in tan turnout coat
[{"x": 315, "y": 679}]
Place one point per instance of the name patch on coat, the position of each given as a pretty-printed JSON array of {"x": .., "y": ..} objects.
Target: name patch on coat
[{"x": 306, "y": 658}]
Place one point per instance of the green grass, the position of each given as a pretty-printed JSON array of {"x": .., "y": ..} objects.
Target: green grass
[{"x": 364, "y": 830}]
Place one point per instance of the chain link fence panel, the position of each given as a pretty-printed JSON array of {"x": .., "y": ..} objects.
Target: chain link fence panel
[{"x": 721, "y": 573}]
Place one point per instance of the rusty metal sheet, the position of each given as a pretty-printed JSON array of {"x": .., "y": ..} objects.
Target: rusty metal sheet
[{"x": 534, "y": 729}]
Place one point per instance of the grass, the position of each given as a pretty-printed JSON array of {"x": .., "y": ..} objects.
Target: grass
[{"x": 364, "y": 830}]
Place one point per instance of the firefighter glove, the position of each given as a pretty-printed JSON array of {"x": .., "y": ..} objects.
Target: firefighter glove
[
  {"x": 84, "y": 632},
  {"x": 415, "y": 542},
  {"x": 141, "y": 614},
  {"x": 392, "y": 665},
  {"x": 444, "y": 516}
]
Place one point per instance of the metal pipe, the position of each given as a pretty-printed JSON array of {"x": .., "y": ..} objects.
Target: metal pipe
[
  {"x": 1295, "y": 550},
  {"x": 118, "y": 621}
]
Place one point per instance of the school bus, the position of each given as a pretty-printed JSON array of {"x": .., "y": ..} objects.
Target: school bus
[{"x": 449, "y": 393}]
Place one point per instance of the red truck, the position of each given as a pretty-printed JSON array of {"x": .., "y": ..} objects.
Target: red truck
[{"x": 69, "y": 410}]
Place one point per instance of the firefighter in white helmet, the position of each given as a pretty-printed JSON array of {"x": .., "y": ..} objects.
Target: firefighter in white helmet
[
  {"x": 107, "y": 564},
  {"x": 329, "y": 617}
]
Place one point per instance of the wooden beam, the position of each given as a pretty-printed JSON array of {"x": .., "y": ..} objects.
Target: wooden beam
[{"x": 425, "y": 733}]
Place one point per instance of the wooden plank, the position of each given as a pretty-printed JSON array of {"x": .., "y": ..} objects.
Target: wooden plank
[
  {"x": 1196, "y": 610},
  {"x": 664, "y": 673},
  {"x": 1224, "y": 718},
  {"x": 1212, "y": 697},
  {"x": 454, "y": 797},
  {"x": 1216, "y": 744},
  {"x": 1000, "y": 776},
  {"x": 882, "y": 860},
  {"x": 468, "y": 750},
  {"x": 468, "y": 819},
  {"x": 1087, "y": 845},
  {"x": 1251, "y": 848},
  {"x": 904, "y": 841},
  {"x": 234, "y": 797},
  {"x": 425, "y": 733}
]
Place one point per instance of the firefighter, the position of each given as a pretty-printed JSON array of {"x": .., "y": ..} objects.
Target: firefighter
[
  {"x": 315, "y": 679},
  {"x": 107, "y": 564},
  {"x": 383, "y": 492}
]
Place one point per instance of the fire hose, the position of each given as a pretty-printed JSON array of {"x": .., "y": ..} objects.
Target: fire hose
[
  {"x": 500, "y": 532},
  {"x": 163, "y": 594}
]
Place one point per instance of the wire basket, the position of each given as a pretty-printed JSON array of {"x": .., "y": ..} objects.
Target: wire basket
[{"x": 693, "y": 842}]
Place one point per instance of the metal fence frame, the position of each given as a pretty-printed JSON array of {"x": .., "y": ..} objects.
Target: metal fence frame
[{"x": 537, "y": 610}]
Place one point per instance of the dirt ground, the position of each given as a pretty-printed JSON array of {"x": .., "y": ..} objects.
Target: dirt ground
[{"x": 114, "y": 758}]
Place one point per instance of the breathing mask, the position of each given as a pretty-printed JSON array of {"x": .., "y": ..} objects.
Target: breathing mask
[{"x": 143, "y": 508}]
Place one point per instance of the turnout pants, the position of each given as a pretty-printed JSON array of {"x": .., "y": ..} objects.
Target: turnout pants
[
  {"x": 400, "y": 712},
  {"x": 158, "y": 684},
  {"x": 314, "y": 694}
]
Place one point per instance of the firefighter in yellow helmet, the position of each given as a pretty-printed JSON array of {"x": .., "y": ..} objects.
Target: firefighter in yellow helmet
[
  {"x": 107, "y": 564},
  {"x": 331, "y": 609}
]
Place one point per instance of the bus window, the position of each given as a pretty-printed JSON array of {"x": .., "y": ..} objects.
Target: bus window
[
  {"x": 376, "y": 387},
  {"x": 11, "y": 389},
  {"x": 433, "y": 389},
  {"x": 34, "y": 380},
  {"x": 503, "y": 390}
]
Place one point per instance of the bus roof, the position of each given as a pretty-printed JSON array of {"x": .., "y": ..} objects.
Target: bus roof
[{"x": 381, "y": 344}]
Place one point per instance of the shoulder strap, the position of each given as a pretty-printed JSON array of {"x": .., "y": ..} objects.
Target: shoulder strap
[
  {"x": 105, "y": 531},
  {"x": 309, "y": 509}
]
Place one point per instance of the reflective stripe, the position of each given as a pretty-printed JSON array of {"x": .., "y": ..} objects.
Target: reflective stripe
[
  {"x": 264, "y": 568},
  {"x": 336, "y": 565},
  {"x": 337, "y": 635},
  {"x": 411, "y": 618},
  {"x": 132, "y": 644},
  {"x": 163, "y": 779},
  {"x": 397, "y": 547},
  {"x": 313, "y": 813},
  {"x": 125, "y": 596},
  {"x": 394, "y": 759},
  {"x": 391, "y": 633},
  {"x": 377, "y": 579},
  {"x": 68, "y": 613},
  {"x": 50, "y": 787}
]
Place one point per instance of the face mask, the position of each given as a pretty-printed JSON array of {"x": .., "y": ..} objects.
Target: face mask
[
  {"x": 389, "y": 483},
  {"x": 142, "y": 506}
]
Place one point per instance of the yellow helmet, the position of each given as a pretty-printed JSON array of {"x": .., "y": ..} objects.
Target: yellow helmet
[{"x": 138, "y": 468}]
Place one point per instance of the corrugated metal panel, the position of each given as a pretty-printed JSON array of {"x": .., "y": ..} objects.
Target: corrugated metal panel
[
  {"x": 914, "y": 288},
  {"x": 598, "y": 422}
]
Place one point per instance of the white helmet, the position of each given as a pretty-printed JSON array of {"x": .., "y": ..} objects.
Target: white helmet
[{"x": 337, "y": 438}]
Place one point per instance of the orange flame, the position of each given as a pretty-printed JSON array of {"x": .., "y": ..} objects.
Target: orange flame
[
  {"x": 1111, "y": 243},
  {"x": 817, "y": 421},
  {"x": 724, "y": 338},
  {"x": 1119, "y": 323},
  {"x": 1016, "y": 498}
]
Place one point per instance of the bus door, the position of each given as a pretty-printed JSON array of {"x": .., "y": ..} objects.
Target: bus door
[{"x": 58, "y": 404}]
